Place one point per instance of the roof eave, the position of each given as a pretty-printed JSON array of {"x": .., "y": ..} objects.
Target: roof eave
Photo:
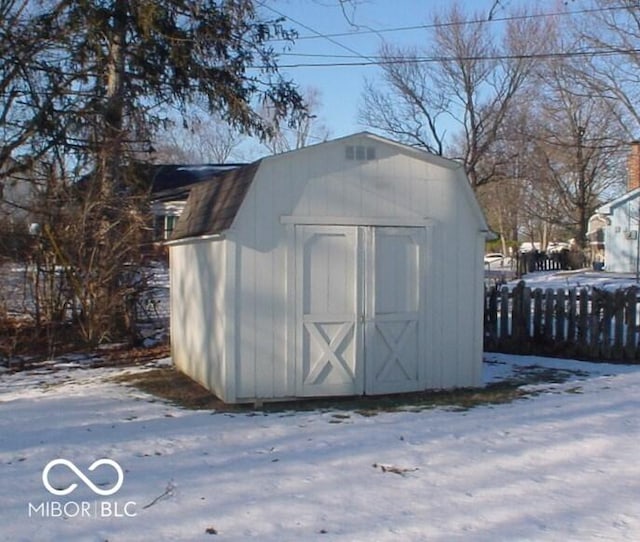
[{"x": 194, "y": 239}]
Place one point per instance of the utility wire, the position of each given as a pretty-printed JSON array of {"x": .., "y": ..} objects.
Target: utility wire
[
  {"x": 379, "y": 61},
  {"x": 318, "y": 35},
  {"x": 373, "y": 60}
]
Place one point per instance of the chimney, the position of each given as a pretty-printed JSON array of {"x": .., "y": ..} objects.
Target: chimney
[{"x": 633, "y": 166}]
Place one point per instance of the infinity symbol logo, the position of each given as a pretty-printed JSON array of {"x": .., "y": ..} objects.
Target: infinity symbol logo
[{"x": 80, "y": 474}]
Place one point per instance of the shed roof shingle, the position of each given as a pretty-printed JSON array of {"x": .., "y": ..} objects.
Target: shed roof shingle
[{"x": 212, "y": 206}]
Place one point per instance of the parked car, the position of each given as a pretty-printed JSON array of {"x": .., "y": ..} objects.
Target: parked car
[{"x": 493, "y": 257}]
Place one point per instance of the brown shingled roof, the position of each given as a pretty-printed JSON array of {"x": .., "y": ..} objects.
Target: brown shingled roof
[{"x": 212, "y": 205}]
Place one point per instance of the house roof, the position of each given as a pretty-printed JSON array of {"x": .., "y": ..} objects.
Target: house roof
[
  {"x": 173, "y": 181},
  {"x": 212, "y": 206},
  {"x": 608, "y": 208}
]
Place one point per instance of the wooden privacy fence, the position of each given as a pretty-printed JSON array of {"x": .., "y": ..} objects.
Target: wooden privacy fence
[
  {"x": 586, "y": 323},
  {"x": 540, "y": 261}
]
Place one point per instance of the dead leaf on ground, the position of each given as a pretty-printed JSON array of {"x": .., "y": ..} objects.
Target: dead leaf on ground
[{"x": 394, "y": 469}]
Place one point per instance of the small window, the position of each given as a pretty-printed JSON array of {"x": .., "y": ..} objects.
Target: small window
[
  {"x": 360, "y": 152},
  {"x": 170, "y": 224},
  {"x": 164, "y": 226}
]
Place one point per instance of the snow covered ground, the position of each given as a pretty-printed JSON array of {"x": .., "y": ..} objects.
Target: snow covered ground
[
  {"x": 562, "y": 279},
  {"x": 580, "y": 278},
  {"x": 561, "y": 464}
]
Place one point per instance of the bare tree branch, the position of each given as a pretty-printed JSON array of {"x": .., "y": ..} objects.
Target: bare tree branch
[{"x": 472, "y": 80}]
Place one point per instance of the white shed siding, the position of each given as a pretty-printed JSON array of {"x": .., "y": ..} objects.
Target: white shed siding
[
  {"x": 478, "y": 319},
  {"x": 198, "y": 322},
  {"x": 260, "y": 356},
  {"x": 470, "y": 276},
  {"x": 320, "y": 182},
  {"x": 261, "y": 371},
  {"x": 434, "y": 307}
]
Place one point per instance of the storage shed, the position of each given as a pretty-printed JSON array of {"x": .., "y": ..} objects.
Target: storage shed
[{"x": 349, "y": 267}]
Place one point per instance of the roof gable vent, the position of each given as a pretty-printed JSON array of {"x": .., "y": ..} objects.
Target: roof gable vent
[{"x": 360, "y": 152}]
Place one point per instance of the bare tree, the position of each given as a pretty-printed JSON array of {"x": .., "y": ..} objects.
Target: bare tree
[
  {"x": 503, "y": 198},
  {"x": 408, "y": 106},
  {"x": 310, "y": 129},
  {"x": 566, "y": 140},
  {"x": 199, "y": 138},
  {"x": 614, "y": 72},
  {"x": 499, "y": 200},
  {"x": 465, "y": 75},
  {"x": 574, "y": 163}
]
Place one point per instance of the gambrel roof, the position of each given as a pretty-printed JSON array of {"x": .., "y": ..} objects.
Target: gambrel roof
[{"x": 212, "y": 205}]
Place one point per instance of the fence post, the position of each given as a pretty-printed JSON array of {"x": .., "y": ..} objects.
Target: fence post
[
  {"x": 630, "y": 348},
  {"x": 504, "y": 315},
  {"x": 572, "y": 315},
  {"x": 517, "y": 318},
  {"x": 583, "y": 324},
  {"x": 526, "y": 309},
  {"x": 548, "y": 315},
  {"x": 560, "y": 313},
  {"x": 595, "y": 323},
  {"x": 606, "y": 322},
  {"x": 491, "y": 316},
  {"x": 618, "y": 330},
  {"x": 537, "y": 315}
]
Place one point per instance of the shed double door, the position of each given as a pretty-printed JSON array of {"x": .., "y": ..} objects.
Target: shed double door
[{"x": 359, "y": 309}]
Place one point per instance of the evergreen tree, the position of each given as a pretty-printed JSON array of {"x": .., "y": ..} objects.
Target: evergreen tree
[{"x": 84, "y": 84}]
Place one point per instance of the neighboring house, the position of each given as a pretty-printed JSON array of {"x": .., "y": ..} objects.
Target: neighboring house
[
  {"x": 170, "y": 186},
  {"x": 619, "y": 222},
  {"x": 595, "y": 238},
  {"x": 350, "y": 267},
  {"x": 17, "y": 194}
]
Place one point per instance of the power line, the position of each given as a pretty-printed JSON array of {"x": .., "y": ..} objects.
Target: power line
[
  {"x": 379, "y": 61},
  {"x": 373, "y": 60},
  {"x": 318, "y": 35}
]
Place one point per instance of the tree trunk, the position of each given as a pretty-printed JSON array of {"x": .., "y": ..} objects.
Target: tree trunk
[{"x": 114, "y": 106}]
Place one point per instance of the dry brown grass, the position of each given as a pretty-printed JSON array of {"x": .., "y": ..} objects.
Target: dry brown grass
[
  {"x": 169, "y": 384},
  {"x": 125, "y": 355}
]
